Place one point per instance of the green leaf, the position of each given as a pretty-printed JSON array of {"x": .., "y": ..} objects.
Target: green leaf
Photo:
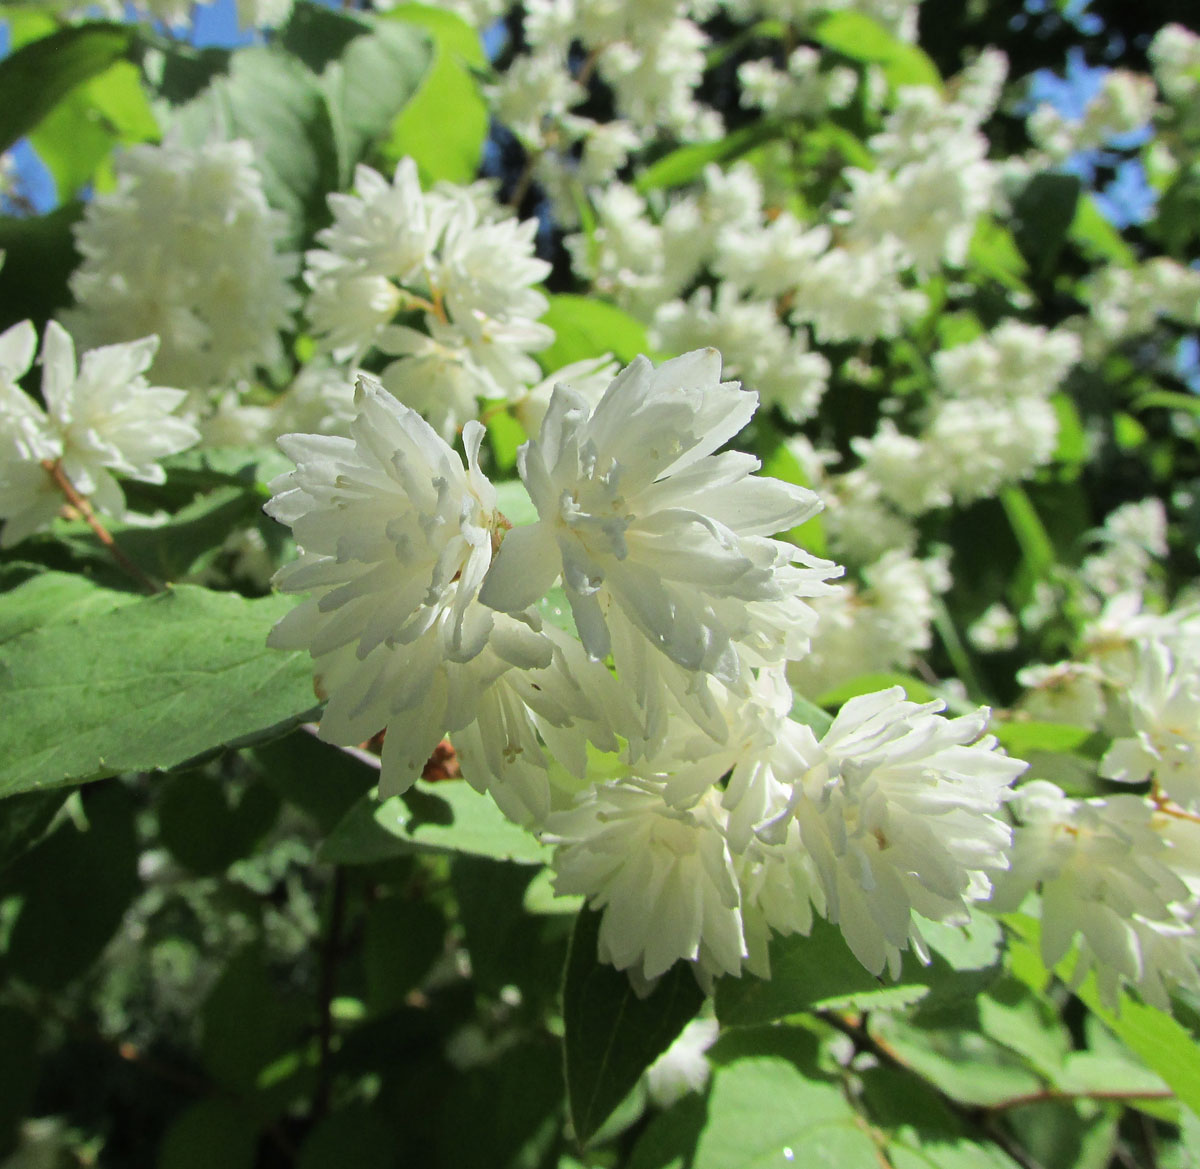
[
  {"x": 18, "y": 1071},
  {"x": 145, "y": 685},
  {"x": 402, "y": 940},
  {"x": 994, "y": 253},
  {"x": 586, "y": 328},
  {"x": 208, "y": 1133},
  {"x": 204, "y": 830},
  {"x": 26, "y": 818},
  {"x": 371, "y": 83},
  {"x": 173, "y": 548},
  {"x": 1022, "y": 738},
  {"x": 1096, "y": 237},
  {"x": 353, "y": 1136},
  {"x": 1168, "y": 400},
  {"x": 320, "y": 779},
  {"x": 1042, "y": 214},
  {"x": 444, "y": 145},
  {"x": 76, "y": 139},
  {"x": 670, "y": 1139},
  {"x": 819, "y": 972},
  {"x": 1036, "y": 546},
  {"x": 271, "y": 99},
  {"x": 75, "y": 887},
  {"x": 53, "y": 598},
  {"x": 1161, "y": 1042},
  {"x": 857, "y": 36},
  {"x": 39, "y": 257},
  {"x": 811, "y": 715},
  {"x": 512, "y": 498},
  {"x": 914, "y": 689},
  {"x": 610, "y": 1035},
  {"x": 685, "y": 164},
  {"x": 35, "y": 78},
  {"x": 764, "y": 1112},
  {"x": 445, "y": 817},
  {"x": 246, "y": 1024}
]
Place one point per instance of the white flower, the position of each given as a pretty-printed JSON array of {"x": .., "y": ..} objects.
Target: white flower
[
  {"x": 897, "y": 808},
  {"x": 395, "y": 539},
  {"x": 1107, "y": 869},
  {"x": 100, "y": 420},
  {"x": 654, "y": 533},
  {"x": 663, "y": 876},
  {"x": 1164, "y": 704},
  {"x": 186, "y": 248}
]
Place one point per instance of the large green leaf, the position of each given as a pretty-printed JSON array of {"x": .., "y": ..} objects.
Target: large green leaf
[
  {"x": 74, "y": 888},
  {"x": 35, "y": 78},
  {"x": 142, "y": 685},
  {"x": 1042, "y": 214},
  {"x": 271, "y": 99},
  {"x": 76, "y": 139},
  {"x": 857, "y": 36},
  {"x": 445, "y": 124},
  {"x": 208, "y": 1133},
  {"x": 39, "y": 257},
  {"x": 447, "y": 817},
  {"x": 819, "y": 972},
  {"x": 585, "y": 328},
  {"x": 764, "y": 1112},
  {"x": 610, "y": 1034},
  {"x": 369, "y": 69}
]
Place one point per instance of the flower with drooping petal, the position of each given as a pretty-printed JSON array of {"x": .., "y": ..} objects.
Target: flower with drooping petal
[
  {"x": 1112, "y": 877},
  {"x": 1164, "y": 703},
  {"x": 102, "y": 419},
  {"x": 395, "y": 538},
  {"x": 658, "y": 539},
  {"x": 663, "y": 877},
  {"x": 897, "y": 807}
]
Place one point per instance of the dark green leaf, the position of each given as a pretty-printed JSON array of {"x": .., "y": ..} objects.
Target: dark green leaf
[
  {"x": 352, "y": 1138},
  {"x": 209, "y": 1133},
  {"x": 204, "y": 830},
  {"x": 246, "y": 1023},
  {"x": 35, "y": 78},
  {"x": 18, "y": 1071},
  {"x": 39, "y": 257},
  {"x": 320, "y": 779},
  {"x": 610, "y": 1035},
  {"x": 75, "y": 886},
  {"x": 1042, "y": 214},
  {"x": 145, "y": 685},
  {"x": 26, "y": 818},
  {"x": 447, "y": 817},
  {"x": 402, "y": 941}
]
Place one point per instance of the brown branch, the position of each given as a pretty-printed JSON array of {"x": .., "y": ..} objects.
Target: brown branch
[{"x": 84, "y": 508}]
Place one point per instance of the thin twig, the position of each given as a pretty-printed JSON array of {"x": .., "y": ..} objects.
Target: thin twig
[{"x": 84, "y": 508}]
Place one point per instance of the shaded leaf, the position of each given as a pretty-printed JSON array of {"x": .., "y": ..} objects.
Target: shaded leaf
[
  {"x": 449, "y": 817},
  {"x": 145, "y": 685},
  {"x": 610, "y": 1035},
  {"x": 208, "y": 1133}
]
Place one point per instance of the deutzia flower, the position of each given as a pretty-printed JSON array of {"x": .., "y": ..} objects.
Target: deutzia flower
[
  {"x": 663, "y": 876},
  {"x": 1164, "y": 704},
  {"x": 102, "y": 419},
  {"x": 1110, "y": 885},
  {"x": 896, "y": 806},
  {"x": 396, "y": 537},
  {"x": 659, "y": 540}
]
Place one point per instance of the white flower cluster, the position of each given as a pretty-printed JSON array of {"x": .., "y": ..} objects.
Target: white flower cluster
[
  {"x": 654, "y": 746},
  {"x": 186, "y": 248},
  {"x": 991, "y": 424},
  {"x": 101, "y": 419},
  {"x": 469, "y": 273},
  {"x": 1124, "y": 103}
]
